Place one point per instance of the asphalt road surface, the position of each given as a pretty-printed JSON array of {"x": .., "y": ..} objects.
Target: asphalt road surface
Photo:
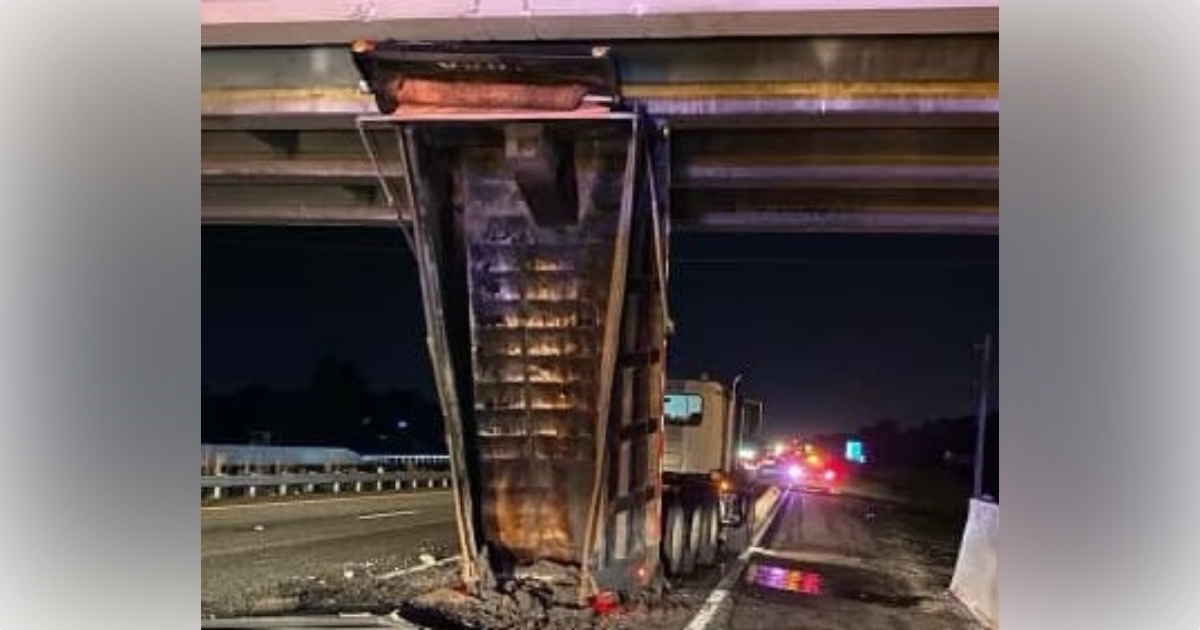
[
  {"x": 252, "y": 555},
  {"x": 855, "y": 560},
  {"x": 848, "y": 562}
]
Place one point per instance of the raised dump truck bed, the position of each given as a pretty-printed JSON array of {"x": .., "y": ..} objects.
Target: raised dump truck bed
[{"x": 542, "y": 272}]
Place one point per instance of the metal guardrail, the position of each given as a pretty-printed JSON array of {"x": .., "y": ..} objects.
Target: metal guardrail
[
  {"x": 221, "y": 486},
  {"x": 407, "y": 460},
  {"x": 319, "y": 479}
]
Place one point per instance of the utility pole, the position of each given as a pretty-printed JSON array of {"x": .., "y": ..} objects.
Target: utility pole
[
  {"x": 981, "y": 435},
  {"x": 733, "y": 400}
]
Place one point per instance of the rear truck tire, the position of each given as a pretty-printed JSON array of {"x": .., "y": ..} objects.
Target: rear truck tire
[
  {"x": 710, "y": 533},
  {"x": 688, "y": 564},
  {"x": 675, "y": 544}
]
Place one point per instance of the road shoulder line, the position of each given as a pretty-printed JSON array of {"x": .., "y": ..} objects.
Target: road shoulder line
[{"x": 720, "y": 594}]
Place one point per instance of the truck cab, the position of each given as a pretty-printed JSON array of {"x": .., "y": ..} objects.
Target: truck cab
[{"x": 706, "y": 494}]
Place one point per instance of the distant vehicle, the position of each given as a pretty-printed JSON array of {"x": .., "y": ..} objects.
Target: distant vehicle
[
  {"x": 811, "y": 468},
  {"x": 770, "y": 465},
  {"x": 765, "y": 467}
]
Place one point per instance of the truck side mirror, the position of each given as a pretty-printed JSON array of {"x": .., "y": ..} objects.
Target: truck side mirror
[{"x": 752, "y": 416}]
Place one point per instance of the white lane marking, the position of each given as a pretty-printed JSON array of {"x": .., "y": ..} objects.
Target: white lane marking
[
  {"x": 373, "y": 517},
  {"x": 708, "y": 612},
  {"x": 247, "y": 506},
  {"x": 417, "y": 569},
  {"x": 812, "y": 557}
]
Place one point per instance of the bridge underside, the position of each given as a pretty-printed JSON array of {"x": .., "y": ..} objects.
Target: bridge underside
[
  {"x": 302, "y": 22},
  {"x": 827, "y": 133}
]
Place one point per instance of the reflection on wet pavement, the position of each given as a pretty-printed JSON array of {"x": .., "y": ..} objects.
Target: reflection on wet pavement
[
  {"x": 837, "y": 582},
  {"x": 781, "y": 579}
]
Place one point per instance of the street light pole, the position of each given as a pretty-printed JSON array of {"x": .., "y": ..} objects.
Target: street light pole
[
  {"x": 981, "y": 429},
  {"x": 741, "y": 420}
]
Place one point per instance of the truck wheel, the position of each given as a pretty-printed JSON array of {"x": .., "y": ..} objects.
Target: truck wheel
[
  {"x": 687, "y": 564},
  {"x": 710, "y": 530},
  {"x": 675, "y": 545}
]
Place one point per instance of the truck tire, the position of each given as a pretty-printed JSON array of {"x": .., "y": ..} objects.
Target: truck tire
[
  {"x": 675, "y": 543},
  {"x": 688, "y": 565},
  {"x": 710, "y": 531}
]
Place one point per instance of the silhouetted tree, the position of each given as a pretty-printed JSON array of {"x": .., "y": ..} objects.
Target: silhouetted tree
[
  {"x": 336, "y": 409},
  {"x": 884, "y": 441},
  {"x": 335, "y": 379}
]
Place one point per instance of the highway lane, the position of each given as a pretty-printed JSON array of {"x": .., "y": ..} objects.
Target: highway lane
[
  {"x": 237, "y": 529},
  {"x": 853, "y": 560},
  {"x": 250, "y": 553},
  {"x": 832, "y": 562}
]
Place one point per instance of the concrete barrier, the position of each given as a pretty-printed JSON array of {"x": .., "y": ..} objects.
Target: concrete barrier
[
  {"x": 976, "y": 581},
  {"x": 764, "y": 504}
]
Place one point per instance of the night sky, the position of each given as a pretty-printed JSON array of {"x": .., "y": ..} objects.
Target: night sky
[{"x": 830, "y": 331}]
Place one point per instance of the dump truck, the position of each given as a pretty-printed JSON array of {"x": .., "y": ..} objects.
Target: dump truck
[
  {"x": 707, "y": 495},
  {"x": 527, "y": 191}
]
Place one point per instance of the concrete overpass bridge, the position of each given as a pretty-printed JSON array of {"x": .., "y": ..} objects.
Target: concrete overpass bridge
[
  {"x": 769, "y": 115},
  {"x": 790, "y": 115}
]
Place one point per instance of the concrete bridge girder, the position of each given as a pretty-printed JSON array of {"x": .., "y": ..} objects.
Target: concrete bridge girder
[{"x": 802, "y": 134}]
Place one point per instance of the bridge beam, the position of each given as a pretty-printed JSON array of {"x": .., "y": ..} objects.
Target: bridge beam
[
  {"x": 302, "y": 22},
  {"x": 828, "y": 133},
  {"x": 982, "y": 221}
]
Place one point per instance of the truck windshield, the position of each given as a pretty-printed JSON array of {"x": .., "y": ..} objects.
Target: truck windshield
[{"x": 683, "y": 409}]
